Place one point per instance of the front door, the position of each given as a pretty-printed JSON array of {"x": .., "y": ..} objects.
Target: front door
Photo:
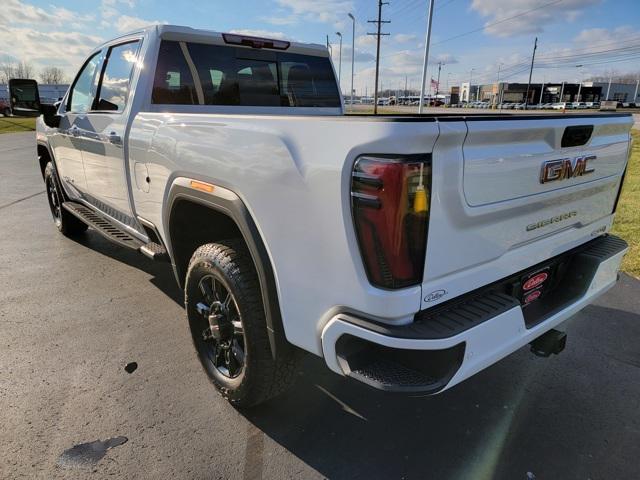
[
  {"x": 103, "y": 132},
  {"x": 66, "y": 143}
]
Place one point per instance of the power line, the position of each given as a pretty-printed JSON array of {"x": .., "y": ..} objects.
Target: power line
[{"x": 378, "y": 35}]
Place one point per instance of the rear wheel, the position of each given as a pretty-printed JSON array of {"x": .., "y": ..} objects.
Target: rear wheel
[
  {"x": 6, "y": 112},
  {"x": 228, "y": 326},
  {"x": 68, "y": 224}
]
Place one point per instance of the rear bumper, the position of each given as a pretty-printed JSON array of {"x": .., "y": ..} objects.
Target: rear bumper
[{"x": 442, "y": 349}]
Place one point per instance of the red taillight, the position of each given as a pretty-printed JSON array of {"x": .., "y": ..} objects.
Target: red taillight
[{"x": 390, "y": 204}]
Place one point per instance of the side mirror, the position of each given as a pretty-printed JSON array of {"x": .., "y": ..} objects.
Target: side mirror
[
  {"x": 50, "y": 114},
  {"x": 24, "y": 97}
]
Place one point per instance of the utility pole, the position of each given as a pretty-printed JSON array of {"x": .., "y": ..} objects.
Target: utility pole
[
  {"x": 635, "y": 95},
  {"x": 533, "y": 57},
  {"x": 405, "y": 88},
  {"x": 469, "y": 92},
  {"x": 562, "y": 92},
  {"x": 541, "y": 92},
  {"x": 426, "y": 54},
  {"x": 353, "y": 52},
  {"x": 440, "y": 64},
  {"x": 378, "y": 34},
  {"x": 498, "y": 91},
  {"x": 340, "y": 64}
]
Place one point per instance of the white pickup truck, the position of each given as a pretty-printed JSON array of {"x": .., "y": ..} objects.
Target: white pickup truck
[{"x": 409, "y": 252}]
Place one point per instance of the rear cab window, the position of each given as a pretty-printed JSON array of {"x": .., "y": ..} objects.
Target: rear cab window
[{"x": 189, "y": 73}]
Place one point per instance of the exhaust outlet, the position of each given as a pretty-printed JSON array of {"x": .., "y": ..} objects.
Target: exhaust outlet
[{"x": 553, "y": 341}]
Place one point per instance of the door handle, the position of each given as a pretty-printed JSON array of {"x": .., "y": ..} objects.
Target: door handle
[{"x": 114, "y": 138}]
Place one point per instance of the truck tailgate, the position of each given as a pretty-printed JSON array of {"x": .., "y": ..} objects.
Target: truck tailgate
[{"x": 510, "y": 192}]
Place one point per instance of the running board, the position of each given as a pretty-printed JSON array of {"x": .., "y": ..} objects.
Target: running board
[
  {"x": 155, "y": 252},
  {"x": 103, "y": 226}
]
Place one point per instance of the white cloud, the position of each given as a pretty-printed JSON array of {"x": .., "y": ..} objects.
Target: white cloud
[
  {"x": 546, "y": 12},
  {"x": 62, "y": 49},
  {"x": 281, "y": 20},
  {"x": 126, "y": 23},
  {"x": 361, "y": 56},
  {"x": 365, "y": 41},
  {"x": 447, "y": 59},
  {"x": 404, "y": 38},
  {"x": 324, "y": 11},
  {"x": 16, "y": 12}
]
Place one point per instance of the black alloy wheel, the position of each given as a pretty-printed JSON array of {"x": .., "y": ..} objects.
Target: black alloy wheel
[{"x": 222, "y": 342}]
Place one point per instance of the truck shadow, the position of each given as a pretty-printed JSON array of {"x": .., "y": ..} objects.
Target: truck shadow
[
  {"x": 525, "y": 417},
  {"x": 161, "y": 273}
]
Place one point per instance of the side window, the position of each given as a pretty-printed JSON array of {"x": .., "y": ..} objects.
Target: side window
[
  {"x": 116, "y": 79},
  {"x": 84, "y": 89},
  {"x": 173, "y": 83}
]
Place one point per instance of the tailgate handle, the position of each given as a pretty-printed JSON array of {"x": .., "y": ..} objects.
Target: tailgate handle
[{"x": 576, "y": 135}]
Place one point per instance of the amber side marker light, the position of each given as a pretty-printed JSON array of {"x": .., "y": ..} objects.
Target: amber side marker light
[{"x": 203, "y": 187}]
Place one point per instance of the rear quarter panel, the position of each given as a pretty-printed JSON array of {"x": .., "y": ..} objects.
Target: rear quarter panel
[{"x": 293, "y": 174}]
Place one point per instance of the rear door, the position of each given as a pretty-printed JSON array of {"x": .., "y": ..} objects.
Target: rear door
[
  {"x": 103, "y": 134},
  {"x": 508, "y": 185}
]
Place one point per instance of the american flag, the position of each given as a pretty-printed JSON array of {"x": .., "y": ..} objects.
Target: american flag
[{"x": 434, "y": 84}]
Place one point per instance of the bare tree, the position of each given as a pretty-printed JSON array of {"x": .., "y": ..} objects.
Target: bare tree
[
  {"x": 24, "y": 70},
  {"x": 52, "y": 75},
  {"x": 629, "y": 77},
  {"x": 6, "y": 71}
]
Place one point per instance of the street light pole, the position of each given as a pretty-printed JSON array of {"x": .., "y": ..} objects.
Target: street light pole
[
  {"x": 609, "y": 87},
  {"x": 353, "y": 52},
  {"x": 426, "y": 55},
  {"x": 580, "y": 85},
  {"x": 340, "y": 63},
  {"x": 469, "y": 92},
  {"x": 497, "y": 97},
  {"x": 635, "y": 95}
]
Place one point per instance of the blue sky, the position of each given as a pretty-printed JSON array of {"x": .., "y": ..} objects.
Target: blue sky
[{"x": 600, "y": 35}]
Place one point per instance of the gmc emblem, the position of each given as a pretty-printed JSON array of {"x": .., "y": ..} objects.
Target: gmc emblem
[{"x": 565, "y": 168}]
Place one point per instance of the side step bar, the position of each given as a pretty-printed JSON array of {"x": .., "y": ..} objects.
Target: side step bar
[{"x": 114, "y": 233}]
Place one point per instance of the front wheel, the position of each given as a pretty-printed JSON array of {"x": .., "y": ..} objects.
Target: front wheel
[
  {"x": 228, "y": 325},
  {"x": 65, "y": 222},
  {"x": 6, "y": 112}
]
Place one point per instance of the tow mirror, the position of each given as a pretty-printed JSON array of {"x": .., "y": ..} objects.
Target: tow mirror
[
  {"x": 50, "y": 114},
  {"x": 24, "y": 97}
]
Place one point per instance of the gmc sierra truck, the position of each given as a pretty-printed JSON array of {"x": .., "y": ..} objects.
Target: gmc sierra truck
[{"x": 408, "y": 251}]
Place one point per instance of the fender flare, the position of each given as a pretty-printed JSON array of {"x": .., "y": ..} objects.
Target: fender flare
[{"x": 228, "y": 203}]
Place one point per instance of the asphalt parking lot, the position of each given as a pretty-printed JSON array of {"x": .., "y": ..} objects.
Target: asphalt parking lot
[{"x": 74, "y": 313}]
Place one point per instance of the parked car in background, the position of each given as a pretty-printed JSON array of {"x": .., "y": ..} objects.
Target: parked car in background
[
  {"x": 559, "y": 106},
  {"x": 5, "y": 108}
]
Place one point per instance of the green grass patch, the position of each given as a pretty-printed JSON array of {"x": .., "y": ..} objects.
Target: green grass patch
[
  {"x": 627, "y": 223},
  {"x": 17, "y": 124}
]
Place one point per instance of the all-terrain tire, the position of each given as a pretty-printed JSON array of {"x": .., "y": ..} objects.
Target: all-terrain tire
[
  {"x": 65, "y": 222},
  {"x": 262, "y": 377}
]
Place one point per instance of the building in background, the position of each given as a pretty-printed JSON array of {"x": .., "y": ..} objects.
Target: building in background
[
  {"x": 621, "y": 92},
  {"x": 504, "y": 92}
]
